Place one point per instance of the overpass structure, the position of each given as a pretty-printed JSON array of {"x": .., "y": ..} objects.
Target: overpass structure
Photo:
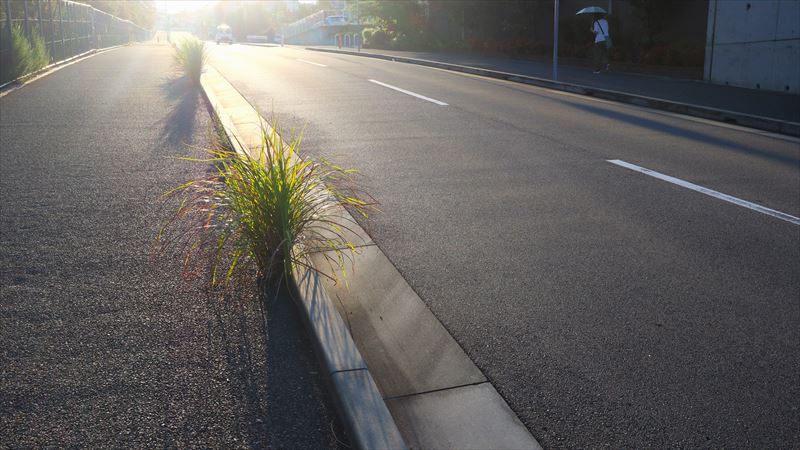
[{"x": 325, "y": 27}]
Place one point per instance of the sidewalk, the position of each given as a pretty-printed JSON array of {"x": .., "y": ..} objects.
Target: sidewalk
[
  {"x": 770, "y": 104},
  {"x": 100, "y": 346}
]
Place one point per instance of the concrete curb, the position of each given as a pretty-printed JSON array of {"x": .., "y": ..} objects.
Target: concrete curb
[
  {"x": 720, "y": 115},
  {"x": 361, "y": 407},
  {"x": 260, "y": 44},
  {"x": 11, "y": 86}
]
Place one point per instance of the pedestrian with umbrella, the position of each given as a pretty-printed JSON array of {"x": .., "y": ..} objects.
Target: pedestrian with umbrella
[{"x": 602, "y": 37}]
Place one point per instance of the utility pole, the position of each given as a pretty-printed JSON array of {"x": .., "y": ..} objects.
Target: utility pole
[{"x": 555, "y": 40}]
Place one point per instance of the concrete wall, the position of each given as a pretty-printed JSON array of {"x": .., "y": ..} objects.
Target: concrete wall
[{"x": 754, "y": 44}]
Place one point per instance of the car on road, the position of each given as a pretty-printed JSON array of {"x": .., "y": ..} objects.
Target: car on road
[{"x": 224, "y": 34}]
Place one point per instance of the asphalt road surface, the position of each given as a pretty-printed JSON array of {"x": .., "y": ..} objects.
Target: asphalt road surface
[
  {"x": 100, "y": 344},
  {"x": 610, "y": 307}
]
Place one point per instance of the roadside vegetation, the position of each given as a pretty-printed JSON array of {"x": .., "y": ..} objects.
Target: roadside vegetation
[
  {"x": 263, "y": 213},
  {"x": 27, "y": 55},
  {"x": 190, "y": 58}
]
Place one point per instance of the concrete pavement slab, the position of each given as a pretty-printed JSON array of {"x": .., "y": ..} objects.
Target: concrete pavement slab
[{"x": 455, "y": 418}]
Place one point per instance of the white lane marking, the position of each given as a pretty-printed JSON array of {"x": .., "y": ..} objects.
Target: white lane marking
[
  {"x": 311, "y": 62},
  {"x": 711, "y": 192},
  {"x": 413, "y": 94}
]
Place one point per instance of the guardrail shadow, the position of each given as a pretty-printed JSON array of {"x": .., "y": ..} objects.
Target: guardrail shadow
[
  {"x": 685, "y": 132},
  {"x": 177, "y": 126}
]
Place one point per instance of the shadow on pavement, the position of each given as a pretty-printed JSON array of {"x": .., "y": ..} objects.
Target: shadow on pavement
[
  {"x": 178, "y": 125},
  {"x": 273, "y": 376},
  {"x": 685, "y": 133}
]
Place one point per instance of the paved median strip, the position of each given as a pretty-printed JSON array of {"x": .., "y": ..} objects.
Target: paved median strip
[
  {"x": 710, "y": 192},
  {"x": 413, "y": 94},
  {"x": 311, "y": 62},
  {"x": 388, "y": 394}
]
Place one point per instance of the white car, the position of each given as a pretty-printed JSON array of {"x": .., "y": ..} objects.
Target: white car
[{"x": 224, "y": 34}]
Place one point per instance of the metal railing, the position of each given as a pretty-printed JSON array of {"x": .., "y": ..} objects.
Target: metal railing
[
  {"x": 318, "y": 19},
  {"x": 68, "y": 28}
]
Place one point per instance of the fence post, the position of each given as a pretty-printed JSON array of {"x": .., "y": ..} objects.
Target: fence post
[
  {"x": 39, "y": 17},
  {"x": 52, "y": 40},
  {"x": 555, "y": 40},
  {"x": 61, "y": 28},
  {"x": 8, "y": 22},
  {"x": 94, "y": 30},
  {"x": 25, "y": 18}
]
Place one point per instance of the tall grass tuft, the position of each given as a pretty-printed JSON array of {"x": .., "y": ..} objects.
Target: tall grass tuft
[
  {"x": 190, "y": 57},
  {"x": 28, "y": 56},
  {"x": 269, "y": 209},
  {"x": 41, "y": 56}
]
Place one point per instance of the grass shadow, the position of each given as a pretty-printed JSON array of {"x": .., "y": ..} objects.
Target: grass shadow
[
  {"x": 177, "y": 126},
  {"x": 275, "y": 385},
  {"x": 297, "y": 395}
]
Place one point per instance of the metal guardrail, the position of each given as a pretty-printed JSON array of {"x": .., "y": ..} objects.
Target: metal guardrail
[{"x": 68, "y": 27}]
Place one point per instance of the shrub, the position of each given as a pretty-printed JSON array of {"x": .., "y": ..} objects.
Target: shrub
[
  {"x": 190, "y": 57},
  {"x": 271, "y": 209},
  {"x": 367, "y": 35},
  {"x": 380, "y": 39}
]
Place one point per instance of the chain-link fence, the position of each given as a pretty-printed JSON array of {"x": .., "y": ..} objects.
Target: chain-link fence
[{"x": 67, "y": 28}]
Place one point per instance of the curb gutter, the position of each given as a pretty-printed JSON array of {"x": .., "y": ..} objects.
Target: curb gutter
[
  {"x": 361, "y": 407},
  {"x": 705, "y": 112}
]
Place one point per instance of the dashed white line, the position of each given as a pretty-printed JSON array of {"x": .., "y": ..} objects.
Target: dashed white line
[
  {"x": 413, "y": 94},
  {"x": 728, "y": 198},
  {"x": 311, "y": 62}
]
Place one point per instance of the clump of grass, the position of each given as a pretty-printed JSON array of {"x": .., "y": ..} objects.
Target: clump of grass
[
  {"x": 190, "y": 57},
  {"x": 28, "y": 56},
  {"x": 41, "y": 56},
  {"x": 269, "y": 209}
]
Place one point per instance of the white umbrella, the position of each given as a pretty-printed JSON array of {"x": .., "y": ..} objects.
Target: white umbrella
[{"x": 592, "y": 10}]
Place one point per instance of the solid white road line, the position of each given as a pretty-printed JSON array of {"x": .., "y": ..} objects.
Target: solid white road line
[
  {"x": 413, "y": 94},
  {"x": 311, "y": 62},
  {"x": 711, "y": 192}
]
